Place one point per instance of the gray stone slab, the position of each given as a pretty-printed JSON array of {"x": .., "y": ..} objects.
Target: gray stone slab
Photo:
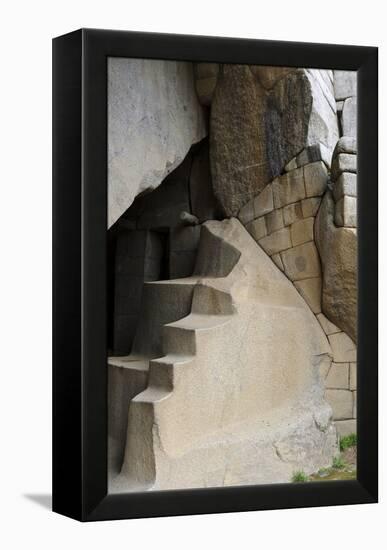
[
  {"x": 345, "y": 84},
  {"x": 349, "y": 117}
]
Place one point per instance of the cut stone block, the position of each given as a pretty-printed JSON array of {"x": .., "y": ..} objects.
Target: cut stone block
[
  {"x": 344, "y": 84},
  {"x": 314, "y": 153},
  {"x": 257, "y": 228},
  {"x": 302, "y": 231},
  {"x": 349, "y": 117},
  {"x": 338, "y": 376},
  {"x": 345, "y": 185},
  {"x": 278, "y": 262},
  {"x": 343, "y": 162},
  {"x": 277, "y": 241},
  {"x": 289, "y": 188},
  {"x": 301, "y": 262},
  {"x": 274, "y": 221},
  {"x": 316, "y": 179},
  {"x": 352, "y": 376},
  {"x": 263, "y": 203},
  {"x": 292, "y": 213},
  {"x": 310, "y": 290},
  {"x": 346, "y": 212},
  {"x": 310, "y": 206},
  {"x": 346, "y": 144},
  {"x": 344, "y": 350},
  {"x": 341, "y": 402},
  {"x": 246, "y": 213},
  {"x": 292, "y": 165},
  {"x": 345, "y": 427},
  {"x": 327, "y": 326}
]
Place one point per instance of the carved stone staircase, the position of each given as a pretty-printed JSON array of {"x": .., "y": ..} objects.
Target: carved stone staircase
[{"x": 199, "y": 402}]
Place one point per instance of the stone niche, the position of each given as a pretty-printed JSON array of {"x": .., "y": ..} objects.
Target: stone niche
[{"x": 151, "y": 241}]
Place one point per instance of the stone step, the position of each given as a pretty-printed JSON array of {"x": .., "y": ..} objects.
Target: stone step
[
  {"x": 131, "y": 362},
  {"x": 180, "y": 337},
  {"x": 162, "y": 371},
  {"x": 162, "y": 302}
]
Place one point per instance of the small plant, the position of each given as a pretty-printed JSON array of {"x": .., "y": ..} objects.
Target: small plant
[
  {"x": 338, "y": 463},
  {"x": 299, "y": 477},
  {"x": 348, "y": 441}
]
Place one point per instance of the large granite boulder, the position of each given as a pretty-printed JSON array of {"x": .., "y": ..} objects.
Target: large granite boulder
[
  {"x": 154, "y": 117},
  {"x": 261, "y": 118},
  {"x": 338, "y": 252}
]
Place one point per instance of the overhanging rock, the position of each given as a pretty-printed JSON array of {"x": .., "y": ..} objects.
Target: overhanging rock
[{"x": 154, "y": 117}]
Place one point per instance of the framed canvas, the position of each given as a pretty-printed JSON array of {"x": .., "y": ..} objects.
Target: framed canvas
[{"x": 215, "y": 275}]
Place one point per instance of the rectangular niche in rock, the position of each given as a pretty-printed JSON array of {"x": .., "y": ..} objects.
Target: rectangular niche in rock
[{"x": 218, "y": 283}]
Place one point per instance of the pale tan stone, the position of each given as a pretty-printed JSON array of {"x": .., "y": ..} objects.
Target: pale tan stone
[
  {"x": 341, "y": 402},
  {"x": 257, "y": 228},
  {"x": 316, "y": 179},
  {"x": 342, "y": 347},
  {"x": 338, "y": 376},
  {"x": 278, "y": 262},
  {"x": 292, "y": 213},
  {"x": 277, "y": 241},
  {"x": 345, "y": 427},
  {"x": 289, "y": 188},
  {"x": 274, "y": 221},
  {"x": 343, "y": 162},
  {"x": 242, "y": 306},
  {"x": 310, "y": 290},
  {"x": 345, "y": 185},
  {"x": 302, "y": 231},
  {"x": 352, "y": 376},
  {"x": 310, "y": 206},
  {"x": 345, "y": 212},
  {"x": 301, "y": 262},
  {"x": 328, "y": 327},
  {"x": 246, "y": 213},
  {"x": 291, "y": 165},
  {"x": 263, "y": 203}
]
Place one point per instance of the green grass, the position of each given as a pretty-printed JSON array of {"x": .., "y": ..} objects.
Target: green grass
[
  {"x": 338, "y": 463},
  {"x": 348, "y": 441},
  {"x": 299, "y": 477}
]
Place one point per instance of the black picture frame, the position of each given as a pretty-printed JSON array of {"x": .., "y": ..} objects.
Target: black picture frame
[{"x": 79, "y": 274}]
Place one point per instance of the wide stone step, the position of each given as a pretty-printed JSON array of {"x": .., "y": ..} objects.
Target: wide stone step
[{"x": 162, "y": 371}]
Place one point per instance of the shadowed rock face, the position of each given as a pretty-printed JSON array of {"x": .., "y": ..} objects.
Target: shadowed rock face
[
  {"x": 338, "y": 252},
  {"x": 261, "y": 118},
  {"x": 286, "y": 121}
]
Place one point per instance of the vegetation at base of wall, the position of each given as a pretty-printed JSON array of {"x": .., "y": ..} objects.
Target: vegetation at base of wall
[
  {"x": 348, "y": 441},
  {"x": 299, "y": 477},
  {"x": 338, "y": 463}
]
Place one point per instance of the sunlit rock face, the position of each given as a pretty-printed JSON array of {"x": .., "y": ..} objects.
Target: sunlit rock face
[
  {"x": 154, "y": 116},
  {"x": 261, "y": 118}
]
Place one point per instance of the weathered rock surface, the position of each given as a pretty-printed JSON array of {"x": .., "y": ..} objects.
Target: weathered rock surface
[
  {"x": 210, "y": 414},
  {"x": 261, "y": 118},
  {"x": 349, "y": 117},
  {"x": 239, "y": 163},
  {"x": 338, "y": 253},
  {"x": 345, "y": 83},
  {"x": 154, "y": 117}
]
